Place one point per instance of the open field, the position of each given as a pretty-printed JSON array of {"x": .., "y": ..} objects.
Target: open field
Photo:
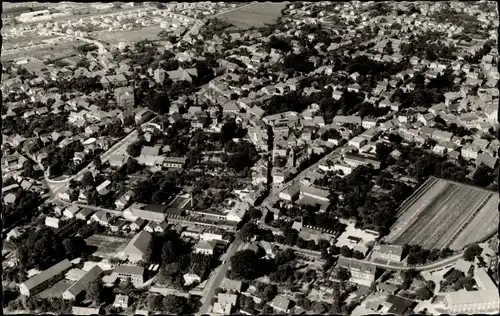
[
  {"x": 54, "y": 51},
  {"x": 445, "y": 214},
  {"x": 256, "y": 15},
  {"x": 132, "y": 36},
  {"x": 107, "y": 246}
]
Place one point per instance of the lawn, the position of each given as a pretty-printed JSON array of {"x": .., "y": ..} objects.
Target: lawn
[
  {"x": 257, "y": 15},
  {"x": 107, "y": 246}
]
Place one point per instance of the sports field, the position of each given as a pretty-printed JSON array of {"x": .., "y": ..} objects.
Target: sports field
[
  {"x": 256, "y": 15},
  {"x": 445, "y": 214},
  {"x": 107, "y": 246}
]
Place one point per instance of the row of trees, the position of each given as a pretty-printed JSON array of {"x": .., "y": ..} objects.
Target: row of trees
[
  {"x": 23, "y": 210},
  {"x": 43, "y": 248}
]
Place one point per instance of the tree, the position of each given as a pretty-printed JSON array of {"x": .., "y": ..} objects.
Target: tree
[
  {"x": 74, "y": 246},
  {"x": 320, "y": 307},
  {"x": 168, "y": 252},
  {"x": 247, "y": 231},
  {"x": 97, "y": 162},
  {"x": 244, "y": 264},
  {"x": 423, "y": 293},
  {"x": 472, "y": 252},
  {"x": 155, "y": 302},
  {"x": 87, "y": 179},
  {"x": 482, "y": 176},
  {"x": 174, "y": 304},
  {"x": 94, "y": 290},
  {"x": 346, "y": 251},
  {"x": 160, "y": 104},
  {"x": 343, "y": 274},
  {"x": 134, "y": 149}
]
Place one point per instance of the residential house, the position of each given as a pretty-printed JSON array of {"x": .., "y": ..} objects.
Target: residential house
[
  {"x": 281, "y": 304},
  {"x": 442, "y": 148},
  {"x": 71, "y": 211},
  {"x": 183, "y": 74},
  {"x": 118, "y": 160},
  {"x": 81, "y": 310},
  {"x": 124, "y": 200},
  {"x": 470, "y": 151},
  {"x": 191, "y": 277},
  {"x": 205, "y": 247},
  {"x": 232, "y": 285},
  {"x": 225, "y": 303},
  {"x": 113, "y": 81},
  {"x": 102, "y": 217},
  {"x": 487, "y": 160},
  {"x": 124, "y": 97},
  {"x": 52, "y": 222},
  {"x": 121, "y": 301},
  {"x": 358, "y": 142}
]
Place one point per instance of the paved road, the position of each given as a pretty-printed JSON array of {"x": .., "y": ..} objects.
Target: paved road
[
  {"x": 216, "y": 278},
  {"x": 60, "y": 186}
]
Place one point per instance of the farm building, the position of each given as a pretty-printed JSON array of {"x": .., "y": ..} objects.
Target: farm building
[{"x": 42, "y": 280}]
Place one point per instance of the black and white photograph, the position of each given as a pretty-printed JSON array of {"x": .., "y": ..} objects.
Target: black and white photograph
[{"x": 247, "y": 158}]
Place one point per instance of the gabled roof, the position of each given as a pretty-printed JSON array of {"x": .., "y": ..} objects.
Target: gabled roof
[
  {"x": 82, "y": 284},
  {"x": 48, "y": 274},
  {"x": 138, "y": 244}
]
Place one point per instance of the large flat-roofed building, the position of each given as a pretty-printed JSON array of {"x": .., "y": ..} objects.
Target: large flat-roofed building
[
  {"x": 486, "y": 300},
  {"x": 42, "y": 280}
]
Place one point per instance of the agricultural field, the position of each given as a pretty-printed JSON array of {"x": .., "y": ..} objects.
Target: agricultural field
[
  {"x": 54, "y": 51},
  {"x": 256, "y": 15},
  {"x": 446, "y": 214},
  {"x": 107, "y": 246},
  {"x": 132, "y": 36}
]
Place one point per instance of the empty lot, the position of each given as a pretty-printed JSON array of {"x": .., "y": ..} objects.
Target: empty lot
[
  {"x": 446, "y": 214},
  {"x": 256, "y": 15},
  {"x": 107, "y": 246},
  {"x": 132, "y": 36}
]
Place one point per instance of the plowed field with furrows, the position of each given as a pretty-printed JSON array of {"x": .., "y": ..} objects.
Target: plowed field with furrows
[{"x": 449, "y": 214}]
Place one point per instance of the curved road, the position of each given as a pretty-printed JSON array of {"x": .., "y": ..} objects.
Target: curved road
[
  {"x": 57, "y": 186},
  {"x": 100, "y": 52}
]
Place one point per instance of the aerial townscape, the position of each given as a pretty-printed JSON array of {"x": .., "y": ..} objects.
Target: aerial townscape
[{"x": 250, "y": 158}]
